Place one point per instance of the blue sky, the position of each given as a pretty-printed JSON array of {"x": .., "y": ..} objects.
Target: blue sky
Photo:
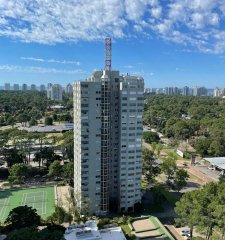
[{"x": 168, "y": 42}]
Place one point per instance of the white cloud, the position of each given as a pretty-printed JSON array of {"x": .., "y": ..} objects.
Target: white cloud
[
  {"x": 129, "y": 66},
  {"x": 195, "y": 23},
  {"x": 77, "y": 63},
  {"x": 156, "y": 11},
  {"x": 31, "y": 69}
]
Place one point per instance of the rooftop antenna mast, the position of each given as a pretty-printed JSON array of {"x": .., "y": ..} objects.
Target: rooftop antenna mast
[{"x": 108, "y": 54}]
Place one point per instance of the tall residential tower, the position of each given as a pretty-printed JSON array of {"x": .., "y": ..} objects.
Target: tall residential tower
[{"x": 108, "y": 109}]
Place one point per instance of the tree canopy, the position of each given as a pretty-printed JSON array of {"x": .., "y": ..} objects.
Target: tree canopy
[
  {"x": 204, "y": 209},
  {"x": 199, "y": 119},
  {"x": 23, "y": 216}
]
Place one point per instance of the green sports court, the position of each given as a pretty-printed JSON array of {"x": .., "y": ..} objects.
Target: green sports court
[{"x": 42, "y": 199}]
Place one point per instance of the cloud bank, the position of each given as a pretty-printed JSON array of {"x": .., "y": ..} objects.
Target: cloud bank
[
  {"x": 42, "y": 70},
  {"x": 199, "y": 24},
  {"x": 50, "y": 61}
]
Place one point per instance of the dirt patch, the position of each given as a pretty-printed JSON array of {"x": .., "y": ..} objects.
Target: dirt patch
[
  {"x": 144, "y": 224},
  {"x": 63, "y": 197}
]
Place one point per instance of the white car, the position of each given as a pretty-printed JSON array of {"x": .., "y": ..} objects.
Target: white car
[
  {"x": 187, "y": 238},
  {"x": 211, "y": 168}
]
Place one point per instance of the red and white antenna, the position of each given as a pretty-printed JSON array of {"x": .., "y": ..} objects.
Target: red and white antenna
[{"x": 108, "y": 54}]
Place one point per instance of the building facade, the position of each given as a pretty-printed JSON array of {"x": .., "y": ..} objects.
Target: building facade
[
  {"x": 200, "y": 91},
  {"x": 42, "y": 88},
  {"x": 54, "y": 92},
  {"x": 24, "y": 87},
  {"x": 16, "y": 87},
  {"x": 7, "y": 86},
  {"x": 69, "y": 89},
  {"x": 33, "y": 87},
  {"x": 219, "y": 92},
  {"x": 185, "y": 91},
  {"x": 108, "y": 111}
]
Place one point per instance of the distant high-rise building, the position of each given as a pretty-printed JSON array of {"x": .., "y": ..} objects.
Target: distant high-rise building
[
  {"x": 158, "y": 91},
  {"x": 7, "y": 86},
  {"x": 147, "y": 90},
  {"x": 16, "y": 87},
  {"x": 185, "y": 91},
  {"x": 175, "y": 90},
  {"x": 108, "y": 119},
  {"x": 42, "y": 87},
  {"x": 33, "y": 87},
  {"x": 200, "y": 91},
  {"x": 169, "y": 91},
  {"x": 24, "y": 87},
  {"x": 216, "y": 92},
  {"x": 69, "y": 89},
  {"x": 219, "y": 92},
  {"x": 54, "y": 92}
]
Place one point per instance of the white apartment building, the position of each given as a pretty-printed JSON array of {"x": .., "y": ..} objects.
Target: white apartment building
[
  {"x": 54, "y": 92},
  {"x": 219, "y": 92},
  {"x": 108, "y": 110}
]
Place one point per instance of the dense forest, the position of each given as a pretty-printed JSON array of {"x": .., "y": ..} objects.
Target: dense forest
[
  {"x": 26, "y": 106},
  {"x": 199, "y": 119}
]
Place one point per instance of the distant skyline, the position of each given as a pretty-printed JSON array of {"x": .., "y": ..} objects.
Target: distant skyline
[{"x": 169, "y": 43}]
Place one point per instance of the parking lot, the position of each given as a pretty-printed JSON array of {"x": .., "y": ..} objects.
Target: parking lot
[{"x": 214, "y": 174}]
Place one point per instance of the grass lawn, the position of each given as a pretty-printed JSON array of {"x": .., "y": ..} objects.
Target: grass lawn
[{"x": 42, "y": 199}]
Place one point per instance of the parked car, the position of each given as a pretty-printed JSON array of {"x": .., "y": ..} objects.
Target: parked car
[
  {"x": 211, "y": 168},
  {"x": 58, "y": 179}
]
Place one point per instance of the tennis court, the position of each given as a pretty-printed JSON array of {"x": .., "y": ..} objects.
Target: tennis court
[{"x": 42, "y": 199}]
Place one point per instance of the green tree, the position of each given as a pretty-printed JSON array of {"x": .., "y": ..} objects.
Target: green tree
[
  {"x": 48, "y": 121},
  {"x": 150, "y": 137},
  {"x": 55, "y": 117},
  {"x": 55, "y": 169},
  {"x": 67, "y": 143},
  {"x": 169, "y": 167},
  {"x": 33, "y": 122},
  {"x": 204, "y": 209},
  {"x": 25, "y": 233},
  {"x": 59, "y": 215},
  {"x": 180, "y": 179},
  {"x": 34, "y": 234},
  {"x": 18, "y": 172},
  {"x": 68, "y": 172},
  {"x": 202, "y": 146},
  {"x": 11, "y": 121},
  {"x": 187, "y": 210},
  {"x": 23, "y": 216},
  {"x": 150, "y": 168},
  {"x": 12, "y": 156}
]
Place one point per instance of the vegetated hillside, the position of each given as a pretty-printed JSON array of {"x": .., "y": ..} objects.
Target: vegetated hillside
[{"x": 200, "y": 119}]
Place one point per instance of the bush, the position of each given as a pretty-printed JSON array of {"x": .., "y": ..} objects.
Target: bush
[
  {"x": 102, "y": 222},
  {"x": 150, "y": 137},
  {"x": 187, "y": 155}
]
